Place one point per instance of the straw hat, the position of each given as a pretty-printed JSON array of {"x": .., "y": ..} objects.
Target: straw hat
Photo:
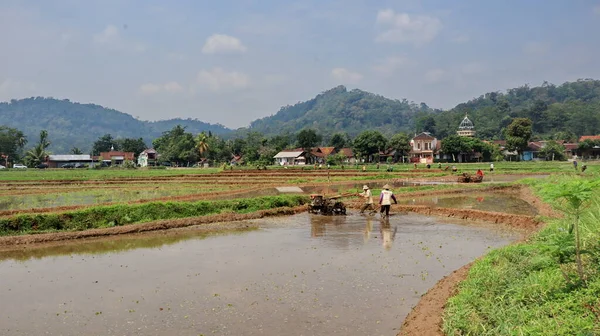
[
  {"x": 387, "y": 186},
  {"x": 365, "y": 187}
]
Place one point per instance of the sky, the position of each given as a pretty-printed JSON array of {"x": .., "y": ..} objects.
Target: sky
[{"x": 233, "y": 61}]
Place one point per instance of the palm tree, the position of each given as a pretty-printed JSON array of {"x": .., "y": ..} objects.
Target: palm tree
[
  {"x": 36, "y": 156},
  {"x": 202, "y": 143},
  {"x": 76, "y": 151}
]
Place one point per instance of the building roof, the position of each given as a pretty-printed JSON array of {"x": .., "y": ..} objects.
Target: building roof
[
  {"x": 571, "y": 146},
  {"x": 69, "y": 157},
  {"x": 111, "y": 154},
  {"x": 424, "y": 136},
  {"x": 466, "y": 124},
  {"x": 288, "y": 154},
  {"x": 589, "y": 137},
  {"x": 149, "y": 151},
  {"x": 327, "y": 150},
  {"x": 347, "y": 152}
]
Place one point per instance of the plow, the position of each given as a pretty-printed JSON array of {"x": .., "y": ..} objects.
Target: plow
[
  {"x": 468, "y": 178},
  {"x": 320, "y": 204}
]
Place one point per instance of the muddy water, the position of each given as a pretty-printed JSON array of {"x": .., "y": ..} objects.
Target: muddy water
[
  {"x": 300, "y": 275},
  {"x": 478, "y": 201}
]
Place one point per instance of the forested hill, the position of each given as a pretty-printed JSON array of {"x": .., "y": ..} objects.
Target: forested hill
[
  {"x": 79, "y": 125},
  {"x": 340, "y": 110},
  {"x": 562, "y": 112}
]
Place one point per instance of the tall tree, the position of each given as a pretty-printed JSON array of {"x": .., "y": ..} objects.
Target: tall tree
[
  {"x": 38, "y": 154},
  {"x": 12, "y": 142},
  {"x": 76, "y": 151},
  {"x": 400, "y": 142},
  {"x": 308, "y": 138},
  {"x": 202, "y": 143},
  {"x": 338, "y": 140},
  {"x": 133, "y": 145},
  {"x": 177, "y": 145},
  {"x": 518, "y": 134},
  {"x": 104, "y": 144},
  {"x": 369, "y": 143},
  {"x": 454, "y": 145}
]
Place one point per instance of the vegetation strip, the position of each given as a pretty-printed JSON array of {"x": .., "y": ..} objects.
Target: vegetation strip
[{"x": 124, "y": 214}]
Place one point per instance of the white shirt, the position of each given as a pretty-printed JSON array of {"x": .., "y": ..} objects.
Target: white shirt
[{"x": 368, "y": 195}]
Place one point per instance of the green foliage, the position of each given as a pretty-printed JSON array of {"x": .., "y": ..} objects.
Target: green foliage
[
  {"x": 529, "y": 288},
  {"x": 400, "y": 142},
  {"x": 369, "y": 143},
  {"x": 124, "y": 214},
  {"x": 12, "y": 142},
  {"x": 339, "y": 140},
  {"x": 308, "y": 138},
  {"x": 454, "y": 145},
  {"x": 135, "y": 146},
  {"x": 104, "y": 144},
  {"x": 518, "y": 135},
  {"x": 38, "y": 154},
  {"x": 177, "y": 146},
  {"x": 76, "y": 151},
  {"x": 79, "y": 125},
  {"x": 553, "y": 151}
]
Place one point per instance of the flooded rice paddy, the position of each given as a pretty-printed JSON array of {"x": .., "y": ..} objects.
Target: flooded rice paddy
[
  {"x": 298, "y": 275},
  {"x": 478, "y": 201}
]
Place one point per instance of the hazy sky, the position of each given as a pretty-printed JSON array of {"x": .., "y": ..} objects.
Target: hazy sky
[{"x": 234, "y": 61}]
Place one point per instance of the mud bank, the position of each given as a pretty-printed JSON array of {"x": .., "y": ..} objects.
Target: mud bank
[
  {"x": 426, "y": 317},
  {"x": 144, "y": 227}
]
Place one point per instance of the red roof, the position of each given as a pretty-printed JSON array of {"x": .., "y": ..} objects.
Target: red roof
[
  {"x": 589, "y": 137},
  {"x": 125, "y": 155},
  {"x": 571, "y": 145},
  {"x": 326, "y": 150},
  {"x": 347, "y": 152}
]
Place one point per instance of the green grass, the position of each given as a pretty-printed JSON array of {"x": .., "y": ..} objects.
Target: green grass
[
  {"x": 124, "y": 214},
  {"x": 522, "y": 289},
  {"x": 32, "y": 174}
]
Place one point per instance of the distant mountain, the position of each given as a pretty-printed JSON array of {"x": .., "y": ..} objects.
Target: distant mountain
[
  {"x": 562, "y": 112},
  {"x": 72, "y": 124},
  {"x": 340, "y": 110}
]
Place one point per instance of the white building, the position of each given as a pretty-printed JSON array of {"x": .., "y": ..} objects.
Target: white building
[{"x": 290, "y": 157}]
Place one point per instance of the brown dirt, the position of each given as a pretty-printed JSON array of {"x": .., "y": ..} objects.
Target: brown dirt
[
  {"x": 11, "y": 241},
  {"x": 426, "y": 317}
]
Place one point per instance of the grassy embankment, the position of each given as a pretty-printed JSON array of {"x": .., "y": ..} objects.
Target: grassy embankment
[
  {"x": 534, "y": 287},
  {"x": 125, "y": 214}
]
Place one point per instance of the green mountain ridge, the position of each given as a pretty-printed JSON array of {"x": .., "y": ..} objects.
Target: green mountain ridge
[
  {"x": 71, "y": 124},
  {"x": 563, "y": 112}
]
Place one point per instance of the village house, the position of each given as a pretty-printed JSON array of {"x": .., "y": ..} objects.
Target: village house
[
  {"x": 116, "y": 157},
  {"x": 423, "y": 147},
  {"x": 348, "y": 155},
  {"x": 148, "y": 157},
  {"x": 320, "y": 154},
  {"x": 291, "y": 157},
  {"x": 59, "y": 160}
]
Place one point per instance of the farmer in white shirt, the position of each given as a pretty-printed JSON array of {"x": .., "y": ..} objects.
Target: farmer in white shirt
[
  {"x": 385, "y": 200},
  {"x": 368, "y": 196}
]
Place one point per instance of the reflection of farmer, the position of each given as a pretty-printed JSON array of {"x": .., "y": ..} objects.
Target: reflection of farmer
[
  {"x": 387, "y": 235},
  {"x": 368, "y": 196},
  {"x": 368, "y": 229},
  {"x": 385, "y": 200}
]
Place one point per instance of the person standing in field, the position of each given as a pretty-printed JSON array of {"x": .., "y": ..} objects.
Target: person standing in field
[
  {"x": 368, "y": 196},
  {"x": 385, "y": 200},
  {"x": 491, "y": 167},
  {"x": 575, "y": 164}
]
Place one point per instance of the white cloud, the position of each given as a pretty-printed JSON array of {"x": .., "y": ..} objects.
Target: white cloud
[
  {"x": 346, "y": 76},
  {"x": 405, "y": 28},
  {"x": 435, "y": 75},
  {"x": 109, "y": 35},
  {"x": 151, "y": 88},
  {"x": 391, "y": 64},
  {"x": 223, "y": 44},
  {"x": 218, "y": 79}
]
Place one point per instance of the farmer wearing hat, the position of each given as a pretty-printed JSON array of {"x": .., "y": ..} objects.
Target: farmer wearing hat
[
  {"x": 368, "y": 196},
  {"x": 385, "y": 200}
]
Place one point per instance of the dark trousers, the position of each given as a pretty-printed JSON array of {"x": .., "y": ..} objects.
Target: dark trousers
[{"x": 385, "y": 208}]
